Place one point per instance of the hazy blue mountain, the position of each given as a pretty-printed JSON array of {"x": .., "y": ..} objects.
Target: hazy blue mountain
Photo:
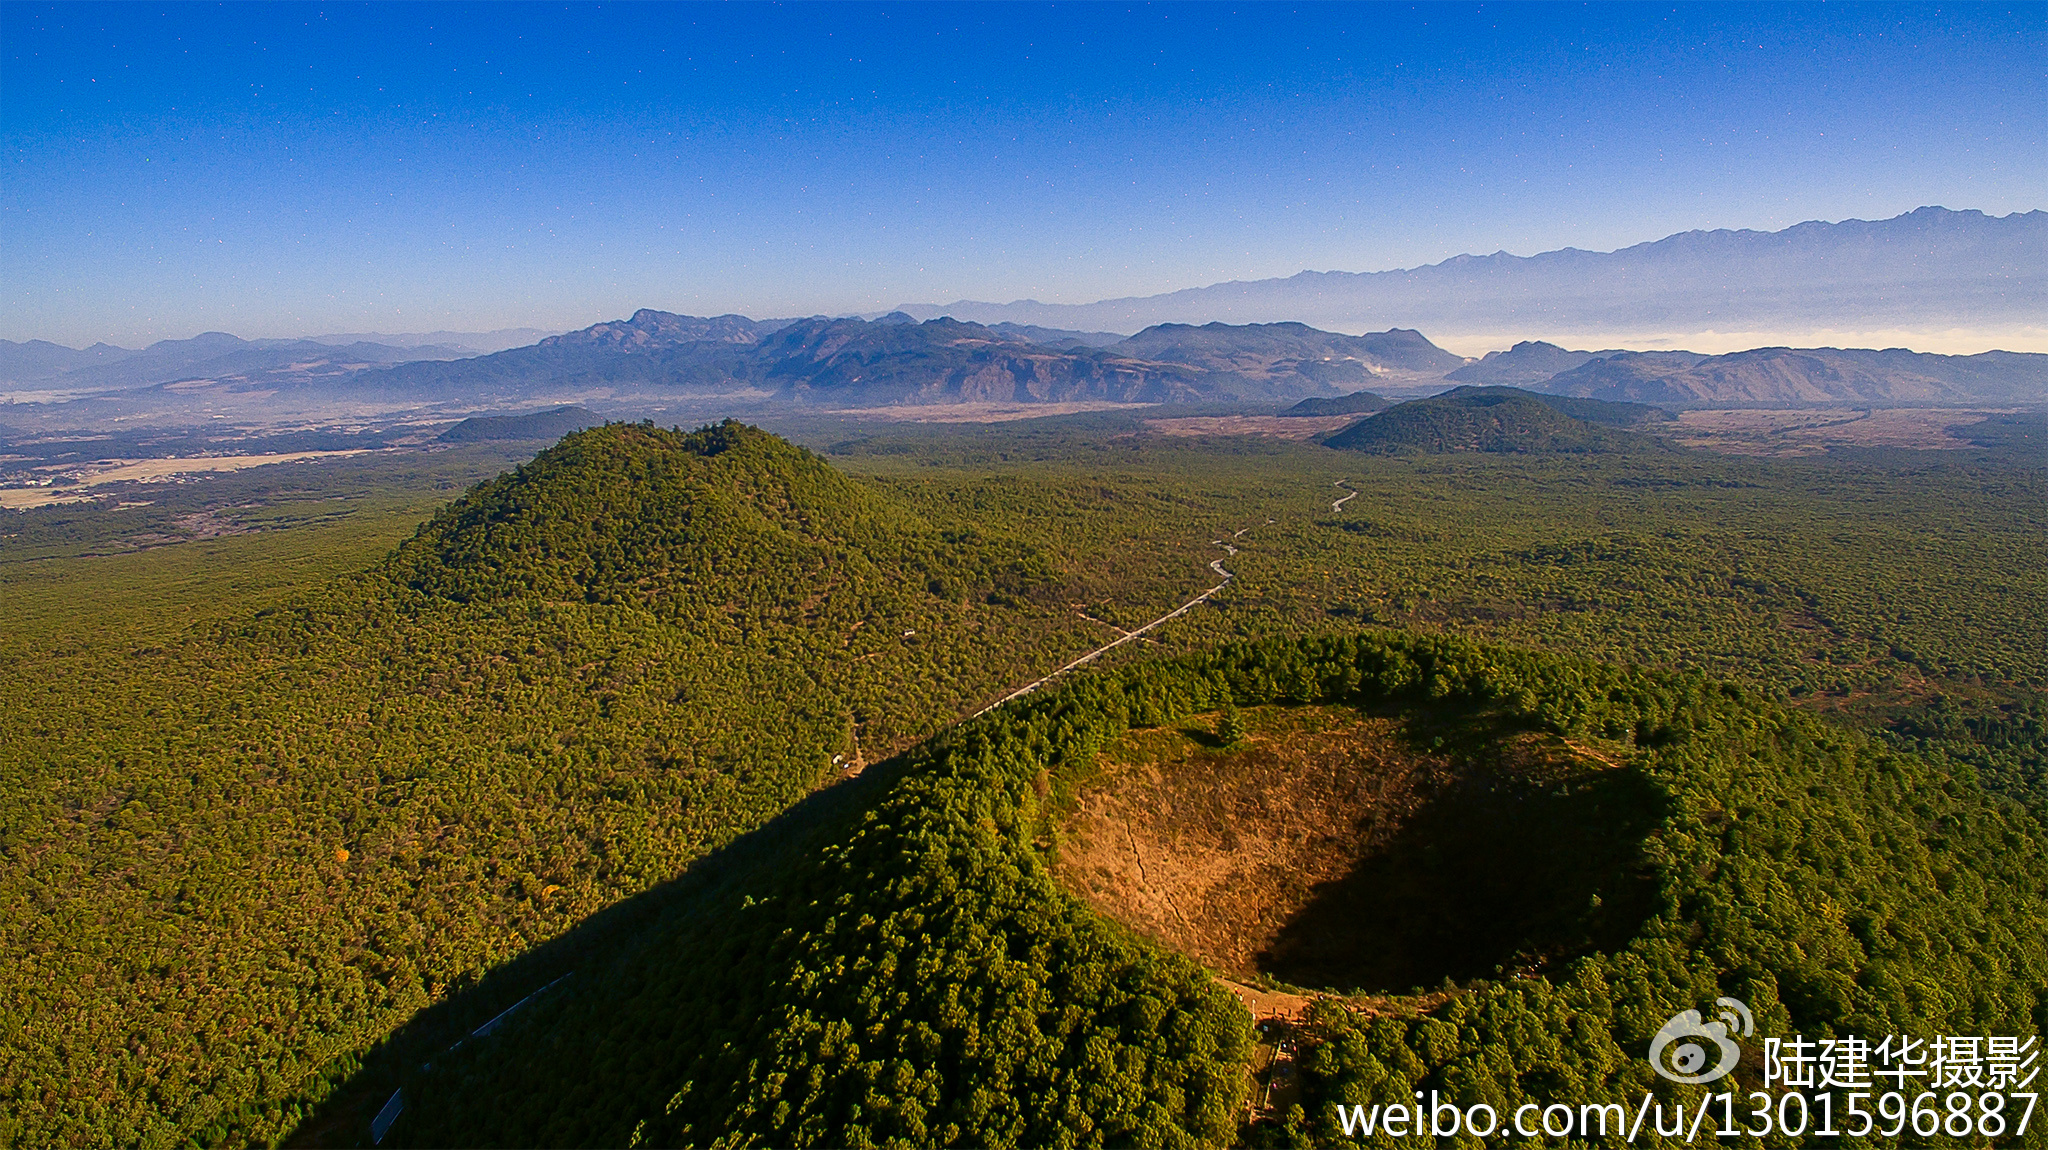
[
  {"x": 853, "y": 362},
  {"x": 212, "y": 355},
  {"x": 469, "y": 342},
  {"x": 889, "y": 360},
  {"x": 41, "y": 360},
  {"x": 1528, "y": 362},
  {"x": 1780, "y": 376},
  {"x": 1925, "y": 268},
  {"x": 551, "y": 424},
  {"x": 650, "y": 330},
  {"x": 37, "y": 359},
  {"x": 654, "y": 357},
  {"x": 1290, "y": 359},
  {"x": 1357, "y": 403},
  {"x": 894, "y": 359},
  {"x": 650, "y": 352},
  {"x": 169, "y": 358},
  {"x": 1054, "y": 337}
]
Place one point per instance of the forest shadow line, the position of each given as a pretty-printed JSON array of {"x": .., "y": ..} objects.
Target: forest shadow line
[{"x": 605, "y": 938}]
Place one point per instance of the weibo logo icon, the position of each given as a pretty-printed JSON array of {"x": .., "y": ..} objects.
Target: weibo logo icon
[{"x": 1683, "y": 1044}]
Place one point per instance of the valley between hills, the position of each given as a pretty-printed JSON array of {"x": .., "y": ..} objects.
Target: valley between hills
[{"x": 296, "y": 817}]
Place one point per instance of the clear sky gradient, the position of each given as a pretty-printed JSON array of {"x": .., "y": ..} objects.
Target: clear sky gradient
[{"x": 299, "y": 169}]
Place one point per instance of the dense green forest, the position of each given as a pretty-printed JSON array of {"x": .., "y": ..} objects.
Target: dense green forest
[
  {"x": 1860, "y": 585},
  {"x": 1497, "y": 420},
  {"x": 918, "y": 978},
  {"x": 291, "y": 810},
  {"x": 238, "y": 857}
]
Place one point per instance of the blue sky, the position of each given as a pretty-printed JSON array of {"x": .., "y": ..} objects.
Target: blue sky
[{"x": 298, "y": 169}]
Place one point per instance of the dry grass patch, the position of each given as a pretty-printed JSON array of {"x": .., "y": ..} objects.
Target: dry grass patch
[
  {"x": 1273, "y": 426},
  {"x": 1364, "y": 853},
  {"x": 1811, "y": 432}
]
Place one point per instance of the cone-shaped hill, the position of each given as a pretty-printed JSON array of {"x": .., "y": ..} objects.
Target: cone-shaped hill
[
  {"x": 562, "y": 692},
  {"x": 1357, "y": 403},
  {"x": 635, "y": 513},
  {"x": 1497, "y": 420},
  {"x": 1556, "y": 855}
]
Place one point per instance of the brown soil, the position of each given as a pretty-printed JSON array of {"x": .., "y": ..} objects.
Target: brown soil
[
  {"x": 1214, "y": 851},
  {"x": 1331, "y": 848},
  {"x": 1274, "y": 1005}
]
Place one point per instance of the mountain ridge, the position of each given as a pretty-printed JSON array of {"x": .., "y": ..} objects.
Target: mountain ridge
[
  {"x": 1924, "y": 268},
  {"x": 893, "y": 359},
  {"x": 208, "y": 354},
  {"x": 1783, "y": 376},
  {"x": 654, "y": 357}
]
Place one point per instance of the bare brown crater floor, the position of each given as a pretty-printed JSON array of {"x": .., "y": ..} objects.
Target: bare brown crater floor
[{"x": 1363, "y": 853}]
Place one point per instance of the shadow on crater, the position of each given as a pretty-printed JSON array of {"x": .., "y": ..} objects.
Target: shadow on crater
[{"x": 1494, "y": 870}]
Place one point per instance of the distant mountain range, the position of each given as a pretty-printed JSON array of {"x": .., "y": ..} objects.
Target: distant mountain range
[
  {"x": 37, "y": 360},
  {"x": 1928, "y": 269},
  {"x": 1255, "y": 342},
  {"x": 1527, "y": 363},
  {"x": 471, "y": 342},
  {"x": 1768, "y": 376},
  {"x": 656, "y": 359},
  {"x": 547, "y": 425},
  {"x": 897, "y": 360},
  {"x": 211, "y": 356},
  {"x": 1780, "y": 376},
  {"x": 1292, "y": 354}
]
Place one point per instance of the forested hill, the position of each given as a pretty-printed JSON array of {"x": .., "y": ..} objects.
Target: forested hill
[
  {"x": 655, "y": 518},
  {"x": 1499, "y": 420},
  {"x": 236, "y": 862},
  {"x": 1357, "y": 403},
  {"x": 918, "y": 977}
]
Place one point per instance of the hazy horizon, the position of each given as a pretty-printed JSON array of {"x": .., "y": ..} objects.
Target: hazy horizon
[
  {"x": 1709, "y": 340},
  {"x": 279, "y": 171}
]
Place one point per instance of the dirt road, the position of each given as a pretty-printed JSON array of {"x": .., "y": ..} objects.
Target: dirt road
[{"x": 1215, "y": 565}]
